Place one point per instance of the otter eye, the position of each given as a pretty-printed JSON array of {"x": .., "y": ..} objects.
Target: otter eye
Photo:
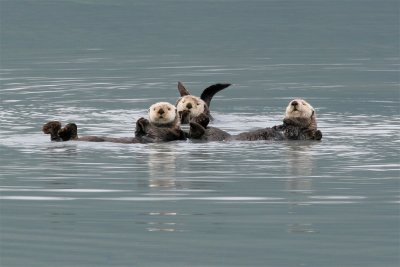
[
  {"x": 154, "y": 109},
  {"x": 169, "y": 108},
  {"x": 304, "y": 103}
]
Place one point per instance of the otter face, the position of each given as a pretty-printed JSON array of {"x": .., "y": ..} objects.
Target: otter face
[
  {"x": 162, "y": 113},
  {"x": 193, "y": 104},
  {"x": 299, "y": 109}
]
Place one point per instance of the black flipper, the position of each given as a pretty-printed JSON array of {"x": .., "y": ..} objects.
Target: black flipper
[
  {"x": 182, "y": 89},
  {"x": 210, "y": 91}
]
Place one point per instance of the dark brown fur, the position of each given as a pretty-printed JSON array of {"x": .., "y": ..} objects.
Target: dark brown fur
[
  {"x": 206, "y": 96},
  {"x": 200, "y": 130},
  {"x": 145, "y": 133},
  {"x": 52, "y": 128},
  {"x": 291, "y": 129}
]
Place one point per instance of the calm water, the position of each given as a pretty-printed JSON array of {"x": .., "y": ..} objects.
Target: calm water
[{"x": 101, "y": 64}]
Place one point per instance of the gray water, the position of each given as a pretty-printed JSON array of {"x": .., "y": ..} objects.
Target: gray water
[{"x": 101, "y": 64}]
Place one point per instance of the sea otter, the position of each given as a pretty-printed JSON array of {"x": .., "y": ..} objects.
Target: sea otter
[
  {"x": 162, "y": 126},
  {"x": 299, "y": 123},
  {"x": 190, "y": 107}
]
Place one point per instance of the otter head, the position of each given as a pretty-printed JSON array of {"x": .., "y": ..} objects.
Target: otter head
[
  {"x": 190, "y": 105},
  {"x": 300, "y": 113},
  {"x": 163, "y": 114}
]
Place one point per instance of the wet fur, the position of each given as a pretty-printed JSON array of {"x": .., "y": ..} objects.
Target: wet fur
[
  {"x": 299, "y": 124},
  {"x": 163, "y": 114},
  {"x": 52, "y": 128},
  {"x": 161, "y": 127},
  {"x": 189, "y": 106}
]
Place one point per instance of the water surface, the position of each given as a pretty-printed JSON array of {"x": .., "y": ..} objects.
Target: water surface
[{"x": 101, "y": 65}]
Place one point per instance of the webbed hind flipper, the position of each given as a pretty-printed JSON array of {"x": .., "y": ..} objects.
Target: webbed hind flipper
[
  {"x": 182, "y": 89},
  {"x": 210, "y": 91},
  {"x": 318, "y": 135}
]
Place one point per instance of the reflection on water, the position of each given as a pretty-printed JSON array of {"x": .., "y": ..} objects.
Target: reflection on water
[
  {"x": 161, "y": 162},
  {"x": 121, "y": 195},
  {"x": 327, "y": 203},
  {"x": 301, "y": 170},
  {"x": 162, "y": 222},
  {"x": 162, "y": 166}
]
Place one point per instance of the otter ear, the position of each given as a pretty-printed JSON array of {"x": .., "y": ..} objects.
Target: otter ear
[
  {"x": 313, "y": 113},
  {"x": 210, "y": 91},
  {"x": 182, "y": 89}
]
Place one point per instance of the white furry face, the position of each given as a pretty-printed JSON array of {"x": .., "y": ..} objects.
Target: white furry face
[
  {"x": 162, "y": 113},
  {"x": 194, "y": 104},
  {"x": 299, "y": 108}
]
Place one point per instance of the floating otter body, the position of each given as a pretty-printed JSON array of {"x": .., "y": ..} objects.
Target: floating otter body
[
  {"x": 163, "y": 126},
  {"x": 199, "y": 130},
  {"x": 190, "y": 107},
  {"x": 70, "y": 132},
  {"x": 299, "y": 124}
]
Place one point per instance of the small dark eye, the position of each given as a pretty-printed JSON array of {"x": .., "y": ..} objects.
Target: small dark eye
[
  {"x": 169, "y": 108},
  {"x": 154, "y": 109}
]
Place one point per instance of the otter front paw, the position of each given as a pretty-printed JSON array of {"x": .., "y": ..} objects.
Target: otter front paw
[
  {"x": 185, "y": 116},
  {"x": 141, "y": 126},
  {"x": 196, "y": 130},
  {"x": 202, "y": 119}
]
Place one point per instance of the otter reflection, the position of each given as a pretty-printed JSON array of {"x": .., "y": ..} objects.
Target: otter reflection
[
  {"x": 161, "y": 161},
  {"x": 162, "y": 171},
  {"x": 299, "y": 185}
]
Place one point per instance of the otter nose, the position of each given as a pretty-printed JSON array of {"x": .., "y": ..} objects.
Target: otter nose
[
  {"x": 294, "y": 103},
  {"x": 189, "y": 105},
  {"x": 161, "y": 111}
]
